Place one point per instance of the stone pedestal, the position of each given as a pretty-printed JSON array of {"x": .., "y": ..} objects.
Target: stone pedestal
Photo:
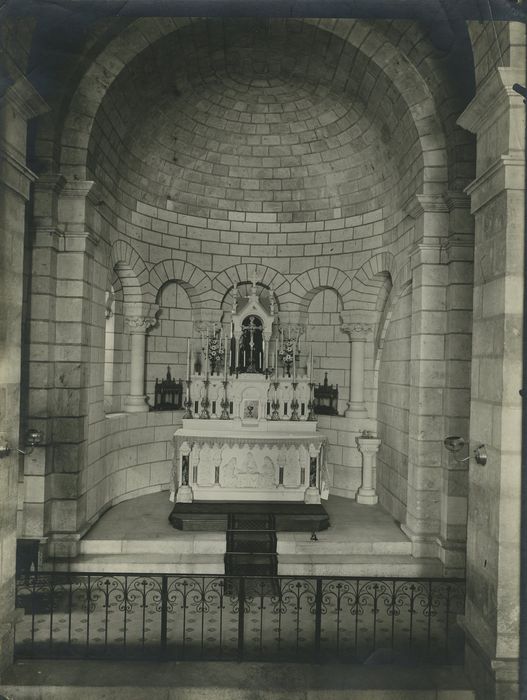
[
  {"x": 184, "y": 495},
  {"x": 312, "y": 495},
  {"x": 368, "y": 447}
]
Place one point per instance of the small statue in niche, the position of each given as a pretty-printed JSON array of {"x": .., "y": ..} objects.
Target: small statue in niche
[{"x": 251, "y": 346}]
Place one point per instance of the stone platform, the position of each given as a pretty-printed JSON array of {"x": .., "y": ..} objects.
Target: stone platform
[
  {"x": 136, "y": 536},
  {"x": 213, "y": 516}
]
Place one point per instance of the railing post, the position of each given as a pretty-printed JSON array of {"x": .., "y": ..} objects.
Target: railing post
[
  {"x": 241, "y": 616},
  {"x": 164, "y": 613},
  {"x": 318, "y": 618}
]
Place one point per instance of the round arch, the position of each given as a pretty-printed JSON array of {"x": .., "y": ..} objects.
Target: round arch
[{"x": 374, "y": 47}]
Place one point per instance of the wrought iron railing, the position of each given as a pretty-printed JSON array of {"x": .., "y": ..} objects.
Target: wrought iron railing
[{"x": 213, "y": 617}]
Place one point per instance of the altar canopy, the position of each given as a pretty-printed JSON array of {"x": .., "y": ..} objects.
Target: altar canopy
[{"x": 249, "y": 430}]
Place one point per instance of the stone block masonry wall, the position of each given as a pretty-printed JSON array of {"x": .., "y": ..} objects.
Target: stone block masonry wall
[
  {"x": 393, "y": 409},
  {"x": 331, "y": 348},
  {"x": 131, "y": 456},
  {"x": 166, "y": 342}
]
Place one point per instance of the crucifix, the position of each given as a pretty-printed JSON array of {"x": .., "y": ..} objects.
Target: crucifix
[{"x": 251, "y": 363}]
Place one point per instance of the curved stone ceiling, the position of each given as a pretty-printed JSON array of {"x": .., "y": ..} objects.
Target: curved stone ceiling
[{"x": 260, "y": 116}]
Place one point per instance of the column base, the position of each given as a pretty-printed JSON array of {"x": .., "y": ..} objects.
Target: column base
[
  {"x": 356, "y": 410},
  {"x": 65, "y": 546},
  {"x": 184, "y": 495},
  {"x": 422, "y": 545},
  {"x": 491, "y": 677},
  {"x": 311, "y": 495},
  {"x": 135, "y": 404},
  {"x": 367, "y": 497}
]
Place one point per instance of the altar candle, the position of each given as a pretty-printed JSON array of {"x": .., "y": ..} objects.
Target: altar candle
[
  {"x": 294, "y": 361},
  {"x": 225, "y": 363},
  {"x": 188, "y": 358},
  {"x": 310, "y": 363},
  {"x": 276, "y": 360},
  {"x": 207, "y": 359}
]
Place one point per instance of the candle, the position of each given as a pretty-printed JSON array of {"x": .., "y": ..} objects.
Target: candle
[
  {"x": 276, "y": 360},
  {"x": 310, "y": 363},
  {"x": 188, "y": 358},
  {"x": 207, "y": 359},
  {"x": 294, "y": 361},
  {"x": 225, "y": 361}
]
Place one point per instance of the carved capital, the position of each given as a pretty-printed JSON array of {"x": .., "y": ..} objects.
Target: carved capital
[
  {"x": 358, "y": 331},
  {"x": 140, "y": 317},
  {"x": 139, "y": 324},
  {"x": 425, "y": 204},
  {"x": 358, "y": 324}
]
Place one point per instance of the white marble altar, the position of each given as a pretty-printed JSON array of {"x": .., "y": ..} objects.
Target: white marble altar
[{"x": 248, "y": 459}]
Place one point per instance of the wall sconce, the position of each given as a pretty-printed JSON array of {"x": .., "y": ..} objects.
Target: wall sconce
[
  {"x": 33, "y": 438},
  {"x": 454, "y": 444}
]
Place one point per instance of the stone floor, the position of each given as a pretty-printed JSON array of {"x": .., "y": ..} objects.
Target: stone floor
[
  {"x": 69, "y": 680},
  {"x": 135, "y": 535}
]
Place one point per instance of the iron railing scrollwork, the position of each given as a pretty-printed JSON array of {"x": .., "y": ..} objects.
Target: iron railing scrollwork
[{"x": 300, "y": 618}]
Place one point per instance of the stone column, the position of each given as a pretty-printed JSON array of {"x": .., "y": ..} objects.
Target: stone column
[
  {"x": 138, "y": 321},
  {"x": 368, "y": 447},
  {"x": 360, "y": 329},
  {"x": 492, "y": 610}
]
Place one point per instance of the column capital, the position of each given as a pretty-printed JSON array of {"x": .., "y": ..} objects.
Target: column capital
[
  {"x": 358, "y": 324},
  {"x": 455, "y": 199},
  {"x": 493, "y": 97},
  {"x": 140, "y": 317},
  {"x": 506, "y": 173},
  {"x": 425, "y": 254},
  {"x": 425, "y": 204},
  {"x": 25, "y": 99},
  {"x": 367, "y": 444},
  {"x": 14, "y": 174}
]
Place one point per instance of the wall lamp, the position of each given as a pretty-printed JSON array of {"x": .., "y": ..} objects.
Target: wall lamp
[
  {"x": 33, "y": 438},
  {"x": 454, "y": 444}
]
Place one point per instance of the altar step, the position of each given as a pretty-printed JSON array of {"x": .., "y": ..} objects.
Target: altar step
[
  {"x": 293, "y": 543},
  {"x": 141, "y": 563},
  {"x": 251, "y": 545},
  {"x": 214, "y": 516},
  {"x": 318, "y": 564},
  {"x": 180, "y": 543}
]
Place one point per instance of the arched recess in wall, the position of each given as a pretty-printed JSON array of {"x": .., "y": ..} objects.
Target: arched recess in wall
[
  {"x": 194, "y": 281},
  {"x": 166, "y": 342},
  {"x": 306, "y": 285},
  {"x": 325, "y": 338},
  {"x": 242, "y": 275}
]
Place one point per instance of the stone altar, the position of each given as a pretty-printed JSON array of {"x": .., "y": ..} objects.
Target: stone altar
[{"x": 264, "y": 461}]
